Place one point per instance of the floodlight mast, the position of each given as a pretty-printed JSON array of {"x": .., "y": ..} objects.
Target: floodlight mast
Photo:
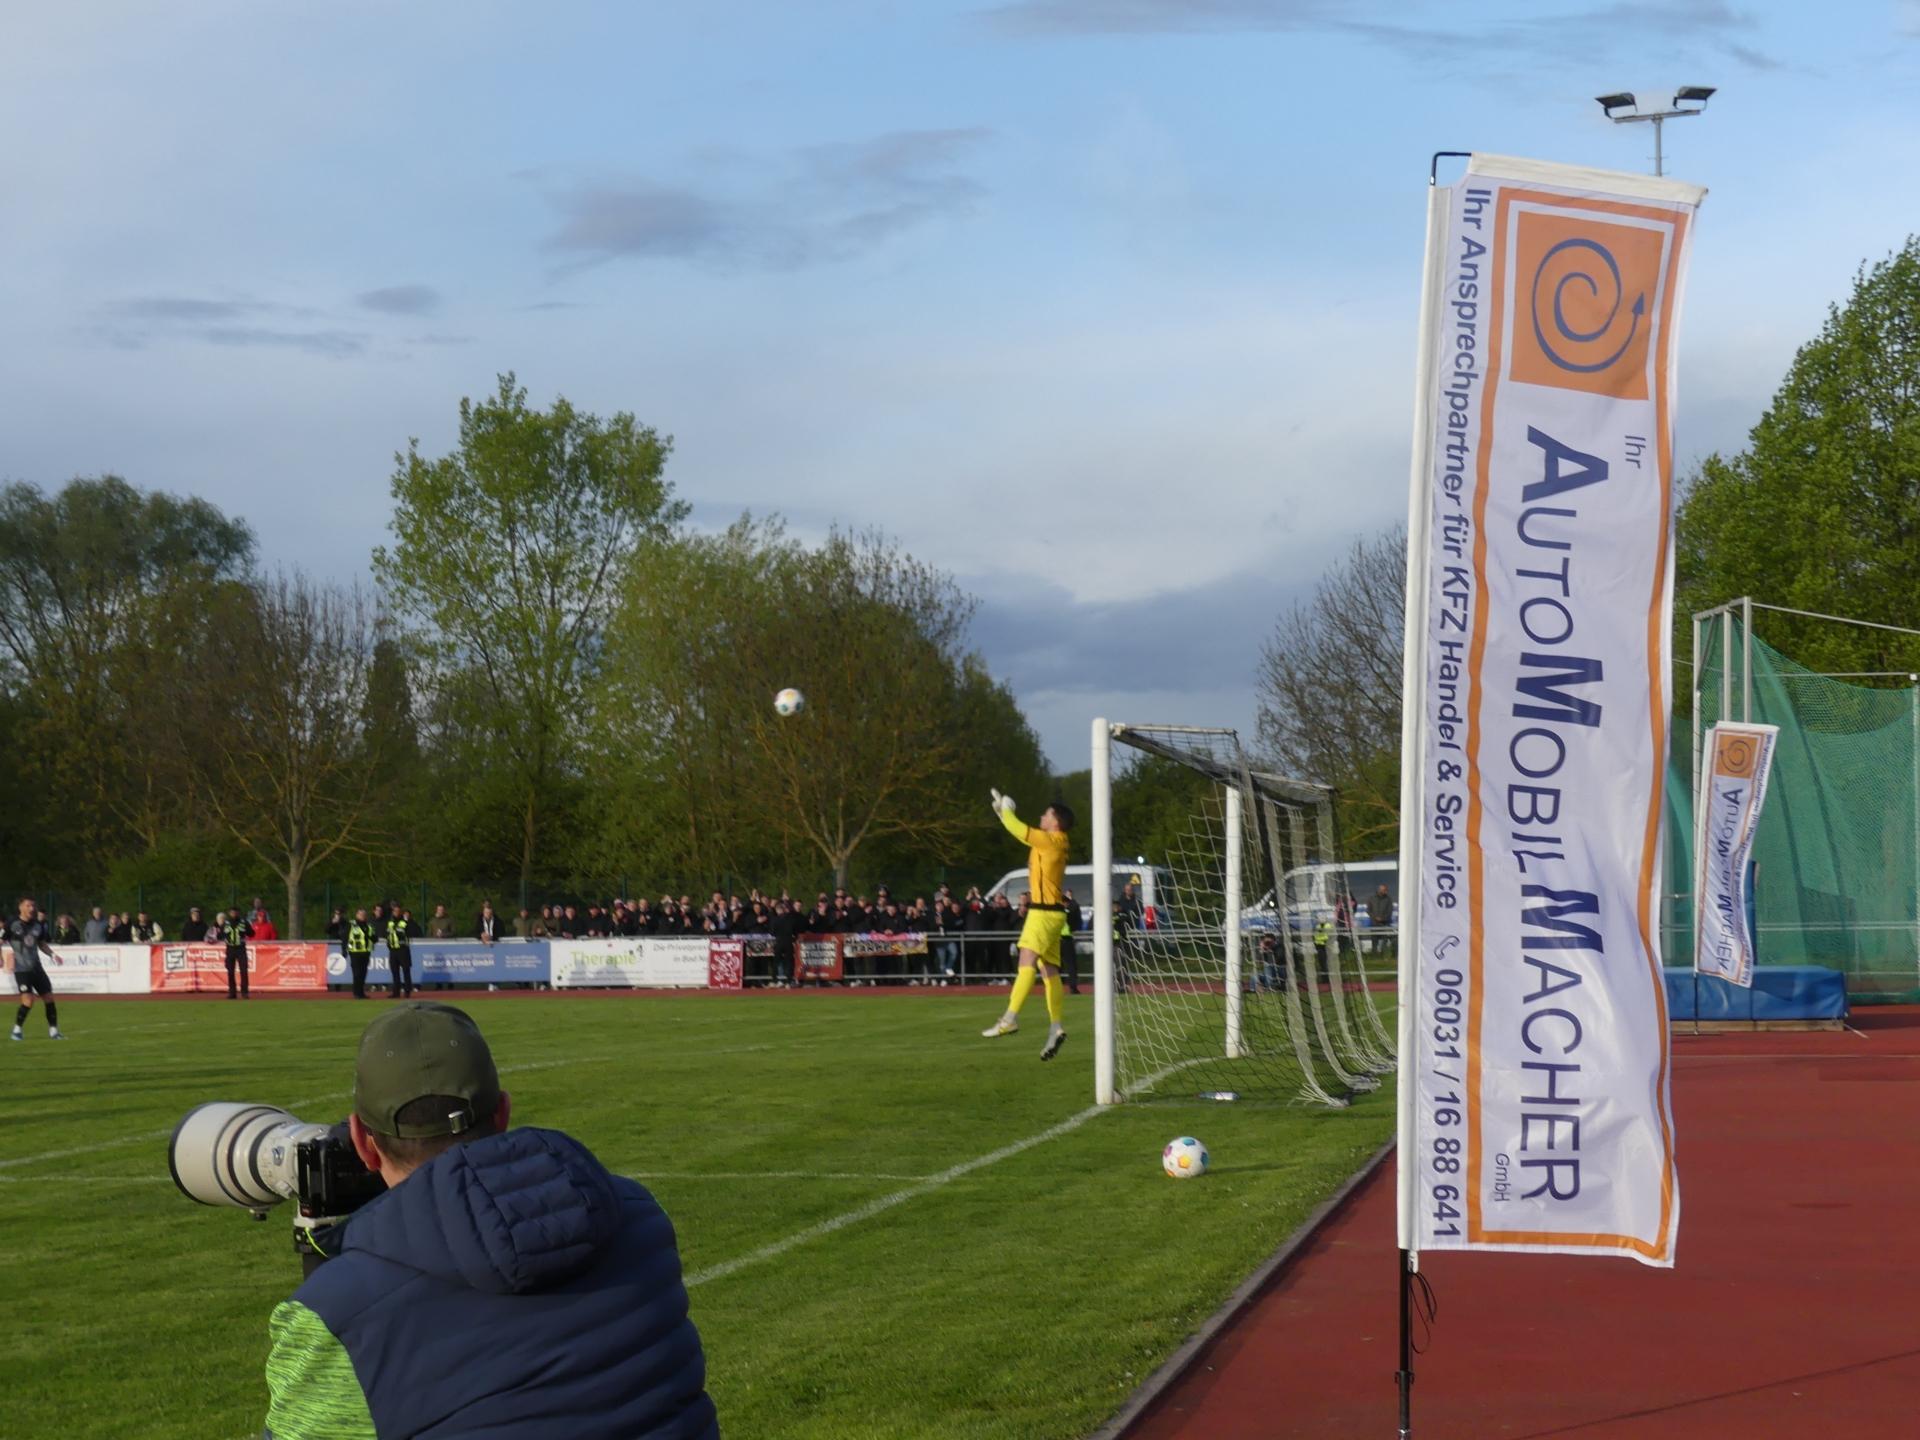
[{"x": 1687, "y": 100}]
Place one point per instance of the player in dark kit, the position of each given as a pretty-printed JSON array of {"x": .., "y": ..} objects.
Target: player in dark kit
[
  {"x": 26, "y": 938},
  {"x": 235, "y": 931}
]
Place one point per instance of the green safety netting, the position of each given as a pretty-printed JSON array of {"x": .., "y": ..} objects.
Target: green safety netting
[{"x": 1838, "y": 851}]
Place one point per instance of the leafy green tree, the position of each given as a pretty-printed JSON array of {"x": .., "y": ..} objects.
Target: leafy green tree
[
  {"x": 103, "y": 591},
  {"x": 1821, "y": 511},
  {"x": 507, "y": 556}
]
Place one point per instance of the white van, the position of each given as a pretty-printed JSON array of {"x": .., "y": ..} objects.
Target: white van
[
  {"x": 1314, "y": 890},
  {"x": 1150, "y": 883}
]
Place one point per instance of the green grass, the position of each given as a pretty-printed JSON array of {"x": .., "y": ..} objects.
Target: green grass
[{"x": 1024, "y": 1299}]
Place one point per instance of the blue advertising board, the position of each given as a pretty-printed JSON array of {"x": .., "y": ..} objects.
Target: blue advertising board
[{"x": 457, "y": 962}]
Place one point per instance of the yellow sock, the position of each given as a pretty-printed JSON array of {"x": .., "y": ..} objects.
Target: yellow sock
[
  {"x": 1056, "y": 999},
  {"x": 1022, "y": 987}
]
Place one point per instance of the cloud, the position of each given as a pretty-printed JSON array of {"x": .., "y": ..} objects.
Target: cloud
[
  {"x": 1182, "y": 657},
  {"x": 402, "y": 300},
  {"x": 136, "y": 323},
  {"x": 1568, "y": 35},
  {"x": 819, "y": 204}
]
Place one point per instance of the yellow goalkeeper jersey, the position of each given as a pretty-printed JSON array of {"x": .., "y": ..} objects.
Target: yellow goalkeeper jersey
[{"x": 1046, "y": 859}]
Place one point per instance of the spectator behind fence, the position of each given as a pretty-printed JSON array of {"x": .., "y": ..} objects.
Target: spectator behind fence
[
  {"x": 523, "y": 924},
  {"x": 440, "y": 927},
  {"x": 336, "y": 925},
  {"x": 489, "y": 930},
  {"x": 65, "y": 932},
  {"x": 95, "y": 932},
  {"x": 262, "y": 922},
  {"x": 119, "y": 930},
  {"x": 146, "y": 932},
  {"x": 1379, "y": 918}
]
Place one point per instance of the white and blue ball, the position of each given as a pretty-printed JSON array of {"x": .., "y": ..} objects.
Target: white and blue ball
[
  {"x": 1184, "y": 1158},
  {"x": 789, "y": 701}
]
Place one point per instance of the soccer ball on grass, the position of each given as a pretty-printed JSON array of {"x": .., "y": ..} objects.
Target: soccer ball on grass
[
  {"x": 1184, "y": 1158},
  {"x": 789, "y": 701}
]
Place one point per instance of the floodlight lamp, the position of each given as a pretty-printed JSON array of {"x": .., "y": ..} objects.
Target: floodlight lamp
[
  {"x": 1622, "y": 101},
  {"x": 1701, "y": 93}
]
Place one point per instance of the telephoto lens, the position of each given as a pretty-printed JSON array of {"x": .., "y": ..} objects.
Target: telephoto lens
[{"x": 230, "y": 1153}]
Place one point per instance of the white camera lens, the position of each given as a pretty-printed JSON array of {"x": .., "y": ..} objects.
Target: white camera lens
[{"x": 230, "y": 1153}]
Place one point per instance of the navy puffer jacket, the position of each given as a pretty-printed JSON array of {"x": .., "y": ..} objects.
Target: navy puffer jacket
[{"x": 512, "y": 1288}]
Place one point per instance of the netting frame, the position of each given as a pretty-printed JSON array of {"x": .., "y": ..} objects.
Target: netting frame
[
  {"x": 1737, "y": 615},
  {"x": 1363, "y": 1049}
]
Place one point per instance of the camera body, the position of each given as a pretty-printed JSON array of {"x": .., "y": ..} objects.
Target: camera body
[{"x": 252, "y": 1157}]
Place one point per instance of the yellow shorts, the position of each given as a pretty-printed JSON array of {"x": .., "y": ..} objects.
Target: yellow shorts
[{"x": 1041, "y": 934}]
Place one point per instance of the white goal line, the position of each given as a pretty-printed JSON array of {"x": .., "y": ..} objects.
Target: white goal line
[{"x": 887, "y": 1202}]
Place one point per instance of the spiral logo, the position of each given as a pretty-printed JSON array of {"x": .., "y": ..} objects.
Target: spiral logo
[
  {"x": 1582, "y": 317},
  {"x": 1737, "y": 754}
]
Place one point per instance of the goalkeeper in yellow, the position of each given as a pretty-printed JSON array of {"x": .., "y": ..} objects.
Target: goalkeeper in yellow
[{"x": 1046, "y": 918}]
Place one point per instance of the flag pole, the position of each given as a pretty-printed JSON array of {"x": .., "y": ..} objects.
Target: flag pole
[{"x": 1413, "y": 680}]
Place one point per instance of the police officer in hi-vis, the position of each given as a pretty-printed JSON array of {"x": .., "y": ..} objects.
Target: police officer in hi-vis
[{"x": 359, "y": 947}]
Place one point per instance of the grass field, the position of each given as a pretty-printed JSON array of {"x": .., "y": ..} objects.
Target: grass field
[{"x": 1022, "y": 1298}]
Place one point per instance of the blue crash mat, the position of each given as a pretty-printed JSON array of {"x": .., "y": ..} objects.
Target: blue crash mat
[{"x": 1780, "y": 992}]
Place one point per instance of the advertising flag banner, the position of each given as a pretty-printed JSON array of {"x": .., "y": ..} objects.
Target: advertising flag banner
[
  {"x": 1535, "y": 1113},
  {"x": 1726, "y": 815}
]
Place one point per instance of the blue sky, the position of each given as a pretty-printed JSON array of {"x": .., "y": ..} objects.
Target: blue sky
[{"x": 1106, "y": 306}]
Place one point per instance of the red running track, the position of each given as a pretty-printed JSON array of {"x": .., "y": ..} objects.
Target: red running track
[{"x": 1793, "y": 1311}]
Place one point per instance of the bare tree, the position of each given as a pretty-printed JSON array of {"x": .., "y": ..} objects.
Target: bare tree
[
  {"x": 714, "y": 626},
  {"x": 874, "y": 638},
  {"x": 276, "y": 747},
  {"x": 1329, "y": 688}
]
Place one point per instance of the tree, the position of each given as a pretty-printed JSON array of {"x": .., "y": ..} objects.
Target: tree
[
  {"x": 102, "y": 591},
  {"x": 873, "y": 637},
  {"x": 508, "y": 553},
  {"x": 1822, "y": 510},
  {"x": 1329, "y": 683},
  {"x": 272, "y": 727},
  {"x": 901, "y": 735}
]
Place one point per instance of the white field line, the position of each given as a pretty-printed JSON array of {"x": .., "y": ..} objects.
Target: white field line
[
  {"x": 83, "y": 1179},
  {"x": 887, "y": 1202},
  {"x": 295, "y": 1105}
]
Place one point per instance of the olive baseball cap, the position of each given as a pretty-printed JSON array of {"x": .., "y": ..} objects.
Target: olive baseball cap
[{"x": 423, "y": 1048}]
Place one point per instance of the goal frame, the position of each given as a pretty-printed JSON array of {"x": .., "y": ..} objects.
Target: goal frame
[{"x": 1372, "y": 1056}]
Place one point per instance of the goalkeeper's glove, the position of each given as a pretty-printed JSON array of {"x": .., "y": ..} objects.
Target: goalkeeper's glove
[{"x": 1001, "y": 802}]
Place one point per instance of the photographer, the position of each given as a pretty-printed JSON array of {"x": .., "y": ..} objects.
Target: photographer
[{"x": 505, "y": 1284}]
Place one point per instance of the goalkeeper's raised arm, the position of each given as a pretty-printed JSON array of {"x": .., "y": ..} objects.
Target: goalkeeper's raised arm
[{"x": 1046, "y": 916}]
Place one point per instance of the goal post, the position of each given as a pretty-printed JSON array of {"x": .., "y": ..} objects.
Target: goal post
[
  {"x": 1244, "y": 976},
  {"x": 1102, "y": 818}
]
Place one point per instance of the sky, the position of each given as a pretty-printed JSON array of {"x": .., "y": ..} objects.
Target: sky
[{"x": 1106, "y": 307}]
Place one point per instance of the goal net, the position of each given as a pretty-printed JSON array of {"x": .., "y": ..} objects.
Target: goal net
[{"x": 1249, "y": 978}]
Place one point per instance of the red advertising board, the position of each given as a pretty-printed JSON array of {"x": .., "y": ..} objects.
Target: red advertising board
[
  {"x": 275, "y": 965},
  {"x": 726, "y": 964},
  {"x": 817, "y": 957}
]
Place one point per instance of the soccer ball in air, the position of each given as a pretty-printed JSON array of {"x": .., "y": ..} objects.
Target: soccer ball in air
[
  {"x": 1184, "y": 1158},
  {"x": 789, "y": 701}
]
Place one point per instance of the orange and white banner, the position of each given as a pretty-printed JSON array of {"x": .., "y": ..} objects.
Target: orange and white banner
[
  {"x": 1535, "y": 1109},
  {"x": 275, "y": 965},
  {"x": 1726, "y": 815}
]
